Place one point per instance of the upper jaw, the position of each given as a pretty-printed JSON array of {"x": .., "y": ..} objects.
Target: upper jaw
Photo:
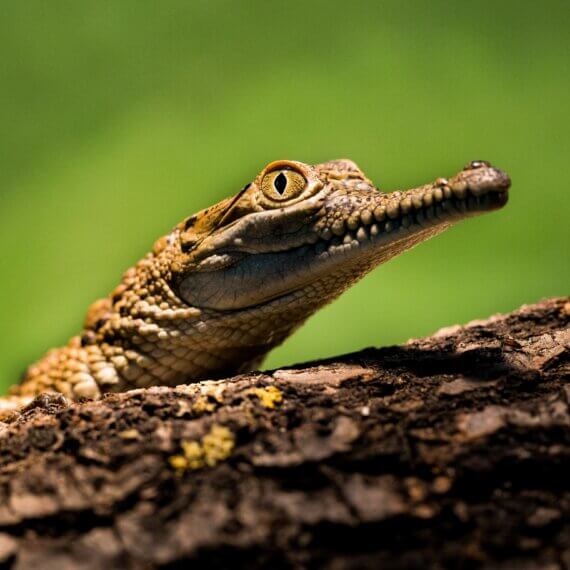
[{"x": 373, "y": 215}]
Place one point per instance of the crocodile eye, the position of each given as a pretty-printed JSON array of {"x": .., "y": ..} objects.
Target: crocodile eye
[{"x": 284, "y": 184}]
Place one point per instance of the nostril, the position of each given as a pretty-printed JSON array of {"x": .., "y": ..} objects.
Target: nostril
[{"x": 475, "y": 164}]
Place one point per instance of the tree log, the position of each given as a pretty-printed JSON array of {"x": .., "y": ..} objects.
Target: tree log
[{"x": 451, "y": 451}]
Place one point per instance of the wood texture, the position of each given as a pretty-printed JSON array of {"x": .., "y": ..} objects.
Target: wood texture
[{"x": 451, "y": 451}]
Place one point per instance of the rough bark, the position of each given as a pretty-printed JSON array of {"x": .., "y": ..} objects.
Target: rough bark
[{"x": 451, "y": 451}]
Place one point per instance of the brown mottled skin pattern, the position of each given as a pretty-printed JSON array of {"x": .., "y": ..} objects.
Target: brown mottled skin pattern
[{"x": 233, "y": 281}]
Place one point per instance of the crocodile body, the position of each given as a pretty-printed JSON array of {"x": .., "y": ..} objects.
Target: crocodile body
[{"x": 233, "y": 281}]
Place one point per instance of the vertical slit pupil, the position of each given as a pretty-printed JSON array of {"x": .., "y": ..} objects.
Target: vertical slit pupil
[{"x": 280, "y": 183}]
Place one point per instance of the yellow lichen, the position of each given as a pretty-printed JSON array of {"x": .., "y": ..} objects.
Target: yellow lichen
[
  {"x": 217, "y": 445},
  {"x": 208, "y": 400},
  {"x": 268, "y": 396},
  {"x": 130, "y": 434},
  {"x": 178, "y": 462},
  {"x": 202, "y": 405},
  {"x": 194, "y": 454},
  {"x": 213, "y": 448}
]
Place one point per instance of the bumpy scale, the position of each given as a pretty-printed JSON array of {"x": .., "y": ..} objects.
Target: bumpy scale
[{"x": 233, "y": 281}]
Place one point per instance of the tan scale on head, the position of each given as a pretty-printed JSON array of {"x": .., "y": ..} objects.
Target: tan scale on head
[{"x": 232, "y": 281}]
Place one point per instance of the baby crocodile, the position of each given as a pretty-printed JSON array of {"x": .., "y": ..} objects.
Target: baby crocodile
[{"x": 233, "y": 281}]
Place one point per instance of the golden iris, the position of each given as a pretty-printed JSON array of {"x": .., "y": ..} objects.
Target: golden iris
[{"x": 283, "y": 184}]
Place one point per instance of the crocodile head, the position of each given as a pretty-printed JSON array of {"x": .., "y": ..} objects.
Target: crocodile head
[{"x": 300, "y": 231}]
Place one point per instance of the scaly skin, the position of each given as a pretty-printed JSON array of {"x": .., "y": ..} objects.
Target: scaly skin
[{"x": 233, "y": 281}]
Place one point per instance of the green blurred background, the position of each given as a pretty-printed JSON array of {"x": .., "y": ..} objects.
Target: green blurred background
[{"x": 120, "y": 118}]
